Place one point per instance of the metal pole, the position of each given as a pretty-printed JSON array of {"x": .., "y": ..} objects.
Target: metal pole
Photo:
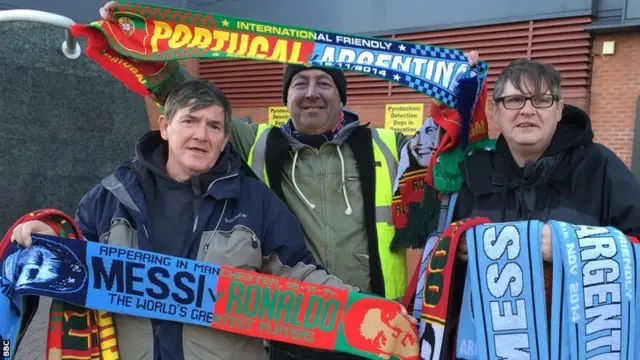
[{"x": 70, "y": 47}]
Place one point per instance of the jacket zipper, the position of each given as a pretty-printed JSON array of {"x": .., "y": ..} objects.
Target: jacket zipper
[{"x": 195, "y": 221}]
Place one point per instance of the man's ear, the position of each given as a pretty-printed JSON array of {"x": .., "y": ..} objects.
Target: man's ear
[
  {"x": 560, "y": 109},
  {"x": 494, "y": 109},
  {"x": 163, "y": 124},
  {"x": 225, "y": 142}
]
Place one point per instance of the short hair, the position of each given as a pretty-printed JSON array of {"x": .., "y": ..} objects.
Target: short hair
[
  {"x": 196, "y": 95},
  {"x": 542, "y": 77}
]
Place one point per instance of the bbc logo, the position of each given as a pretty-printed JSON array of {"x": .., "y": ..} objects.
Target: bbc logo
[{"x": 6, "y": 349}]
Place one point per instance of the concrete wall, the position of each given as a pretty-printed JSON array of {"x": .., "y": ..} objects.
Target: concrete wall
[
  {"x": 65, "y": 123},
  {"x": 87, "y": 10}
]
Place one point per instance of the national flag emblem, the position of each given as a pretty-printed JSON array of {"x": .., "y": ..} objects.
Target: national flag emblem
[
  {"x": 126, "y": 25},
  {"x": 131, "y": 33}
]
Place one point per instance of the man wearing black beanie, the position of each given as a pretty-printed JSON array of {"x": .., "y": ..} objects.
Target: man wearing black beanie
[
  {"x": 336, "y": 74},
  {"x": 323, "y": 164}
]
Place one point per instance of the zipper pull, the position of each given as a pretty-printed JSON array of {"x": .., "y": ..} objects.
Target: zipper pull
[{"x": 254, "y": 241}]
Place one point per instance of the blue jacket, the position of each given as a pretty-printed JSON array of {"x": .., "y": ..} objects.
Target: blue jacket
[{"x": 236, "y": 221}]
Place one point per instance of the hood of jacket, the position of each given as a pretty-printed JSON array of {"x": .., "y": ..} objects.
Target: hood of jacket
[
  {"x": 573, "y": 131},
  {"x": 298, "y": 140}
]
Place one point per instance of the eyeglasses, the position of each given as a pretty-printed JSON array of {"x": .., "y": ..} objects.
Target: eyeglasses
[{"x": 516, "y": 102}]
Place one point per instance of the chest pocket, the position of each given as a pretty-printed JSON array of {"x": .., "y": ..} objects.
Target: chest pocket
[
  {"x": 120, "y": 233},
  {"x": 238, "y": 247}
]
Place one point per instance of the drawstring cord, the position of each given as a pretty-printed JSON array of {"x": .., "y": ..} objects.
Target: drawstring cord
[
  {"x": 295, "y": 185},
  {"x": 349, "y": 209}
]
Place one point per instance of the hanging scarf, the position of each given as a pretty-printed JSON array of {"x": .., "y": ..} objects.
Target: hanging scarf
[
  {"x": 437, "y": 314},
  {"x": 595, "y": 294},
  {"x": 425, "y": 176},
  {"x": 444, "y": 219},
  {"x": 83, "y": 275}
]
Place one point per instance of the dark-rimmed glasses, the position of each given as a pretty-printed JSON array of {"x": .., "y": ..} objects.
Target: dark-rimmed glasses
[{"x": 516, "y": 102}]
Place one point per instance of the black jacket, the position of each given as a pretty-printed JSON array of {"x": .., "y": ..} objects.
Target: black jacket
[{"x": 576, "y": 181}]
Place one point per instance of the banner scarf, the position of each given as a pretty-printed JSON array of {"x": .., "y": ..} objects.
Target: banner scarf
[
  {"x": 139, "y": 283},
  {"x": 594, "y": 299},
  {"x": 142, "y": 49}
]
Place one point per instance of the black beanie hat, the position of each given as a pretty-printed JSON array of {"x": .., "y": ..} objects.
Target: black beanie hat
[{"x": 336, "y": 74}]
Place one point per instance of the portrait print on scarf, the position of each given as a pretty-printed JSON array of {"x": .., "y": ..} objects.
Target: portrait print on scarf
[
  {"x": 424, "y": 177},
  {"x": 408, "y": 187}
]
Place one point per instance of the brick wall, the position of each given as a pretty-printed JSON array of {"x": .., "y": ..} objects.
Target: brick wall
[
  {"x": 615, "y": 87},
  {"x": 612, "y": 106},
  {"x": 375, "y": 113}
]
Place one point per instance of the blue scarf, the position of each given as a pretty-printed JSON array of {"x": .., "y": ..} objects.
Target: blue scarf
[{"x": 595, "y": 293}]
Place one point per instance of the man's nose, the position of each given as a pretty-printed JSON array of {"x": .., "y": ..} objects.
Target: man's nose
[
  {"x": 200, "y": 131},
  {"x": 528, "y": 108},
  {"x": 312, "y": 91}
]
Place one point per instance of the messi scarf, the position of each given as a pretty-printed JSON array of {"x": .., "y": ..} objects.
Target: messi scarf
[
  {"x": 594, "y": 299},
  {"x": 112, "y": 279}
]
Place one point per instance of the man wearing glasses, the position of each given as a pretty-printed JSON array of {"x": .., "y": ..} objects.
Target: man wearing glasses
[{"x": 546, "y": 165}]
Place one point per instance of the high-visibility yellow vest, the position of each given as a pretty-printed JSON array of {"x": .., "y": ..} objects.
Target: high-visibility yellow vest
[{"x": 385, "y": 152}]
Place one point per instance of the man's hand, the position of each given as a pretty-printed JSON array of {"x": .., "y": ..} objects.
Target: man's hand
[
  {"x": 547, "y": 247},
  {"x": 462, "y": 248},
  {"x": 22, "y": 233},
  {"x": 403, "y": 312},
  {"x": 106, "y": 12},
  {"x": 472, "y": 57}
]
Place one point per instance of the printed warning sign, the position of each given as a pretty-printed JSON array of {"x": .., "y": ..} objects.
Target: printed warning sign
[
  {"x": 278, "y": 115},
  {"x": 404, "y": 118}
]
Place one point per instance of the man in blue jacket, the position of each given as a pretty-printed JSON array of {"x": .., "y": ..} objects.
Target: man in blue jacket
[{"x": 188, "y": 194}]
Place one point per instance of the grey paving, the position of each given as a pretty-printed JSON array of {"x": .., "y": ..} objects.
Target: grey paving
[{"x": 33, "y": 344}]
